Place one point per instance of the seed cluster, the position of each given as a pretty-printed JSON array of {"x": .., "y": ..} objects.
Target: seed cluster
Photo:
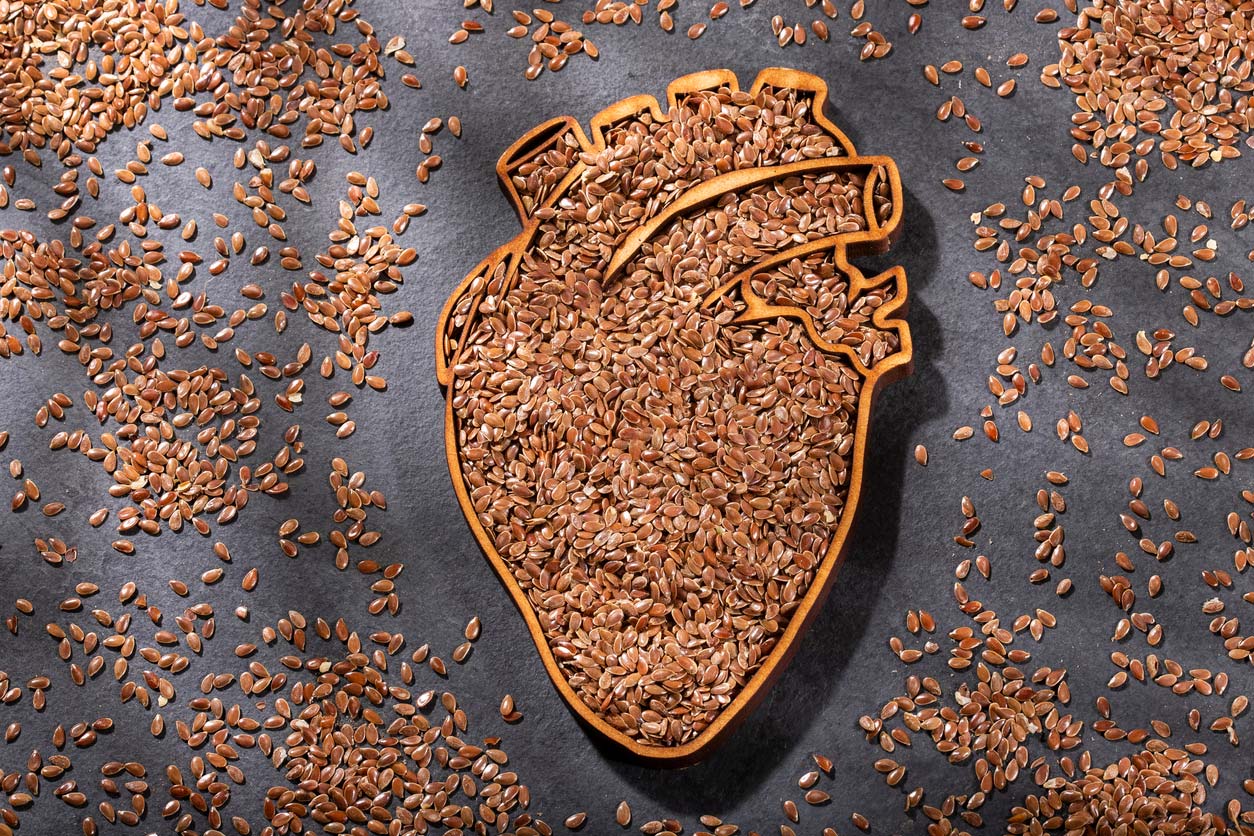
[
  {"x": 1151, "y": 74},
  {"x": 553, "y": 41},
  {"x": 1040, "y": 252},
  {"x": 178, "y": 439},
  {"x": 1147, "y": 76},
  {"x": 1157, "y": 788},
  {"x": 355, "y": 742}
]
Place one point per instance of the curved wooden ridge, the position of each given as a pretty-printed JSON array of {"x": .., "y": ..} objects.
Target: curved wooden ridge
[{"x": 501, "y": 269}]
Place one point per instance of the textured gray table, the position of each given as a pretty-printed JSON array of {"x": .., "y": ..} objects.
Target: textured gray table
[{"x": 902, "y": 555}]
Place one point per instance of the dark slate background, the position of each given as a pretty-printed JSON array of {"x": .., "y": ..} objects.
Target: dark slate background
[{"x": 901, "y": 555}]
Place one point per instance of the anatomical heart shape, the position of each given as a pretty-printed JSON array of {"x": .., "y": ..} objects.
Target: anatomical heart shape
[{"x": 659, "y": 394}]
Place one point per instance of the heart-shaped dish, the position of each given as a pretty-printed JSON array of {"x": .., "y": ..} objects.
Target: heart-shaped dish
[{"x": 659, "y": 394}]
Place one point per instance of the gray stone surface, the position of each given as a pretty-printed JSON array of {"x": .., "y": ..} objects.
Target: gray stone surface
[{"x": 902, "y": 555}]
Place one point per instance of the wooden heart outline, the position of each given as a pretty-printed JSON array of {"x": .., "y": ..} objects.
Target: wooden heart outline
[{"x": 876, "y": 239}]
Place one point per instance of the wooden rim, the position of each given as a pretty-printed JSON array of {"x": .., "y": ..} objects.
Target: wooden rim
[{"x": 875, "y": 239}]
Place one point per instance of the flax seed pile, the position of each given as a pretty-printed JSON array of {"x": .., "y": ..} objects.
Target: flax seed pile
[
  {"x": 664, "y": 483},
  {"x": 161, "y": 351}
]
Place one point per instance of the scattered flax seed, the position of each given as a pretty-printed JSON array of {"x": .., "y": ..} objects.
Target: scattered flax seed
[{"x": 179, "y": 441}]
